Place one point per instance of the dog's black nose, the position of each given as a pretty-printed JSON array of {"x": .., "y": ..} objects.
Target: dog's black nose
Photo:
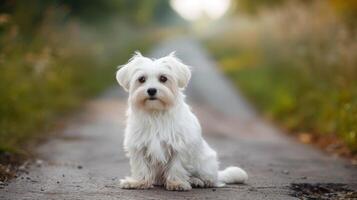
[{"x": 152, "y": 91}]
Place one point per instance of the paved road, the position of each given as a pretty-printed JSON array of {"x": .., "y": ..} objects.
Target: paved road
[{"x": 86, "y": 160}]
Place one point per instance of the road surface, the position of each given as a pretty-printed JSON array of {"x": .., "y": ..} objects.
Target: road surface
[{"x": 87, "y": 160}]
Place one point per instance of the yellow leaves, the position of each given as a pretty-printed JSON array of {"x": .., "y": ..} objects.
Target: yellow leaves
[
  {"x": 4, "y": 18},
  {"x": 344, "y": 5},
  {"x": 305, "y": 138},
  {"x": 242, "y": 60}
]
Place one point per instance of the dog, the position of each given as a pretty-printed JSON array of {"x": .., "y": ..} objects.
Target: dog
[{"x": 163, "y": 137}]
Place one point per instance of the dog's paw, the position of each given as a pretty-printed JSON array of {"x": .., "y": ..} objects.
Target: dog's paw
[
  {"x": 196, "y": 182},
  {"x": 178, "y": 186},
  {"x": 129, "y": 183},
  {"x": 208, "y": 183}
]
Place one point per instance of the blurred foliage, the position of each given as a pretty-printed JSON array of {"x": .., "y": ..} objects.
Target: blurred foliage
[
  {"x": 56, "y": 53},
  {"x": 345, "y": 8},
  {"x": 253, "y": 6},
  {"x": 132, "y": 11},
  {"x": 298, "y": 64}
]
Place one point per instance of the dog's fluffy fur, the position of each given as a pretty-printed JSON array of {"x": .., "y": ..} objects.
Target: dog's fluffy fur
[{"x": 163, "y": 137}]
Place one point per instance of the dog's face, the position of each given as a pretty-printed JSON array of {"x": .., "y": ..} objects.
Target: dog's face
[{"x": 153, "y": 84}]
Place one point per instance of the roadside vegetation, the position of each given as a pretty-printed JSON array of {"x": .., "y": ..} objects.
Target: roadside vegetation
[
  {"x": 56, "y": 54},
  {"x": 297, "y": 62}
]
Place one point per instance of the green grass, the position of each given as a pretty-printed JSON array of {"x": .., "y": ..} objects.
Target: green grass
[
  {"x": 30, "y": 100},
  {"x": 299, "y": 100}
]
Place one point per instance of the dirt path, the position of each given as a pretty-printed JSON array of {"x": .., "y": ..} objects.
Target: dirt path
[{"x": 87, "y": 160}]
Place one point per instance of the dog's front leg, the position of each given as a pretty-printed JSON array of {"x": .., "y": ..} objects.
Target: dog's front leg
[
  {"x": 141, "y": 174},
  {"x": 177, "y": 178}
]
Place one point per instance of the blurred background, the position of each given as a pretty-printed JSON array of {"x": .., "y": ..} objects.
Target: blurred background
[{"x": 296, "y": 61}]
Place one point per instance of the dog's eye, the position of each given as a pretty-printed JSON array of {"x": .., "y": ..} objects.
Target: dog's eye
[
  {"x": 163, "y": 79},
  {"x": 142, "y": 79}
]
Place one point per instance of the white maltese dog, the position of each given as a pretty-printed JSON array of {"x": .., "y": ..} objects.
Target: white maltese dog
[{"x": 163, "y": 137}]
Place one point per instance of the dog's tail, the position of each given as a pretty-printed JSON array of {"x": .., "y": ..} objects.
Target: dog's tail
[{"x": 232, "y": 175}]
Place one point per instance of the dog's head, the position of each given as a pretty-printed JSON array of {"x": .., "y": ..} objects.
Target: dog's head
[{"x": 153, "y": 84}]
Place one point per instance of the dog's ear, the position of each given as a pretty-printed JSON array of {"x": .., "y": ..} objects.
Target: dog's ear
[
  {"x": 181, "y": 71},
  {"x": 123, "y": 75}
]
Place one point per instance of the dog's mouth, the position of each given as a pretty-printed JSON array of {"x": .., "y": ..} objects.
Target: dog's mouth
[
  {"x": 154, "y": 103},
  {"x": 153, "y": 100}
]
